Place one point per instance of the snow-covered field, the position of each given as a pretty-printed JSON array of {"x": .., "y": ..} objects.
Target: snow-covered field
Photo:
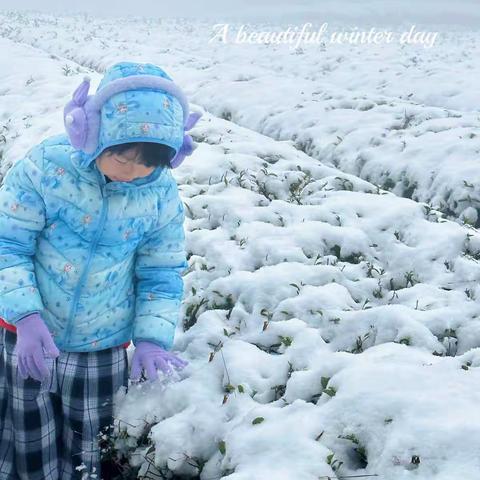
[
  {"x": 331, "y": 314},
  {"x": 404, "y": 117}
]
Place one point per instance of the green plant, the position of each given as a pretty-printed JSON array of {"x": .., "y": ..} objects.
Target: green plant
[
  {"x": 228, "y": 303},
  {"x": 359, "y": 449},
  {"x": 296, "y": 188},
  {"x": 287, "y": 341},
  {"x": 359, "y": 343},
  {"x": 191, "y": 314},
  {"x": 334, "y": 463}
]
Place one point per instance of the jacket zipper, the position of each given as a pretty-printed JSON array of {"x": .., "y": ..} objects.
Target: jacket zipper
[{"x": 78, "y": 290}]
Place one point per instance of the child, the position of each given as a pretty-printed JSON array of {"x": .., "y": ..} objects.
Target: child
[{"x": 91, "y": 256}]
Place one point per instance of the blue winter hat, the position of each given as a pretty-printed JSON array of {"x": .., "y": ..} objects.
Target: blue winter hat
[{"x": 148, "y": 107}]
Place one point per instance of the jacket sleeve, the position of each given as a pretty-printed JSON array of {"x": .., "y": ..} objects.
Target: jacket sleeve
[
  {"x": 160, "y": 262},
  {"x": 22, "y": 218}
]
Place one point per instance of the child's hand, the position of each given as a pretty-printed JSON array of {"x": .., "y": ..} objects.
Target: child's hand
[
  {"x": 150, "y": 356},
  {"x": 32, "y": 337}
]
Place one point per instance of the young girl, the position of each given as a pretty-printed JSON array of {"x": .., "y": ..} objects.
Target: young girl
[{"x": 91, "y": 257}]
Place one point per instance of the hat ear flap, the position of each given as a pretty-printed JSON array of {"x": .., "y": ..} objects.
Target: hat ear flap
[
  {"x": 192, "y": 120},
  {"x": 187, "y": 148},
  {"x": 75, "y": 121},
  {"x": 177, "y": 160},
  {"x": 188, "y": 145},
  {"x": 75, "y": 117},
  {"x": 80, "y": 94}
]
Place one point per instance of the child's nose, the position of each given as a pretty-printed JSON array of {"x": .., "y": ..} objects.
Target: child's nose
[{"x": 129, "y": 168}]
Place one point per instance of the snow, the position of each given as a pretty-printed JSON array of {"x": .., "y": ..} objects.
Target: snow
[
  {"x": 331, "y": 317},
  {"x": 395, "y": 126}
]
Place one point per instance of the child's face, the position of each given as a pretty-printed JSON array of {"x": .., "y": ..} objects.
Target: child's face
[{"x": 122, "y": 167}]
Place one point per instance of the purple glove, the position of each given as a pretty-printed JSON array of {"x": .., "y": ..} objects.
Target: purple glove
[
  {"x": 151, "y": 356},
  {"x": 32, "y": 337}
]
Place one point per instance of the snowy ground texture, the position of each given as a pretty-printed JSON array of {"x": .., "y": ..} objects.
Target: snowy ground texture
[{"x": 331, "y": 313}]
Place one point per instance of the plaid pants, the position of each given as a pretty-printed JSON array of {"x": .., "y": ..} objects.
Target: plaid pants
[{"x": 49, "y": 429}]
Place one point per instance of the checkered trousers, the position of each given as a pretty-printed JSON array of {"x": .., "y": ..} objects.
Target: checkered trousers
[{"x": 50, "y": 430}]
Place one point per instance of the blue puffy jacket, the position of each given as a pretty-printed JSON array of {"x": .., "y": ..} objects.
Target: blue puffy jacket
[{"x": 101, "y": 262}]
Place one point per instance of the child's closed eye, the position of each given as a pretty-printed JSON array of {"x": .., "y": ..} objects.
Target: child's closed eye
[{"x": 121, "y": 161}]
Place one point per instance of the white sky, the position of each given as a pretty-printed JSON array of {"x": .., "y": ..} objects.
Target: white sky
[{"x": 462, "y": 12}]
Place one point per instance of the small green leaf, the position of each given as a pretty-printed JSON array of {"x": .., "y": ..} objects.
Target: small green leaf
[
  {"x": 222, "y": 447},
  {"x": 325, "y": 381},
  {"x": 287, "y": 341},
  {"x": 240, "y": 388},
  {"x": 257, "y": 420},
  {"x": 330, "y": 391}
]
